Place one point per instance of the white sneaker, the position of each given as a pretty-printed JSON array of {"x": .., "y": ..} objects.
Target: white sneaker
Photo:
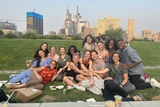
[
  {"x": 81, "y": 88},
  {"x": 155, "y": 83},
  {"x": 60, "y": 87},
  {"x": 69, "y": 87}
]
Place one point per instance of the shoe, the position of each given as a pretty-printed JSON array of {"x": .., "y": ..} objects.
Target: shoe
[
  {"x": 60, "y": 87},
  {"x": 69, "y": 87},
  {"x": 155, "y": 83},
  {"x": 140, "y": 95},
  {"x": 81, "y": 88},
  {"x": 12, "y": 75}
]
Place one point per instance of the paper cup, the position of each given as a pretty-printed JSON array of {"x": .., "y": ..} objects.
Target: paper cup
[
  {"x": 118, "y": 100},
  {"x": 110, "y": 103},
  {"x": 28, "y": 64}
]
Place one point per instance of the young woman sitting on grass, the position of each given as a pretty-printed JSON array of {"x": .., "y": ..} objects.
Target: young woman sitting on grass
[
  {"x": 38, "y": 78},
  {"x": 63, "y": 62},
  {"x": 73, "y": 49},
  {"x": 38, "y": 64},
  {"x": 102, "y": 52},
  {"x": 89, "y": 43},
  {"x": 53, "y": 54},
  {"x": 72, "y": 70},
  {"x": 44, "y": 47},
  {"x": 86, "y": 60},
  {"x": 120, "y": 74}
]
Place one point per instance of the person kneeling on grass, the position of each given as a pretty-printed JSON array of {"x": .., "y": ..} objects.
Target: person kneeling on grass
[
  {"x": 106, "y": 88},
  {"x": 38, "y": 78}
]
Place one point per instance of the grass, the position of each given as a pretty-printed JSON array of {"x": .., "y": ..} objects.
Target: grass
[
  {"x": 75, "y": 95},
  {"x": 14, "y": 52}
]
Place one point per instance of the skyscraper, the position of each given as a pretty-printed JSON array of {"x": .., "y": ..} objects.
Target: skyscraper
[
  {"x": 130, "y": 28},
  {"x": 35, "y": 22}
]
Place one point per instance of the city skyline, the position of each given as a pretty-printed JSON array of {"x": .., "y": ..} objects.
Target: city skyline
[{"x": 144, "y": 12}]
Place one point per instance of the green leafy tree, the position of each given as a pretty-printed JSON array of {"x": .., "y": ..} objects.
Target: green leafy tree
[
  {"x": 1, "y": 32},
  {"x": 11, "y": 35},
  {"x": 114, "y": 33},
  {"x": 29, "y": 35}
]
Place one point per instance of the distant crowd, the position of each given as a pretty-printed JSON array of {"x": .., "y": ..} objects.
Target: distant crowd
[{"x": 105, "y": 69}]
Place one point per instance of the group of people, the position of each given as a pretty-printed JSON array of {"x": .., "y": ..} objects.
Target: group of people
[{"x": 105, "y": 69}]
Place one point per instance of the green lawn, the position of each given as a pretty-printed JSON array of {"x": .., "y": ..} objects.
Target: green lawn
[
  {"x": 75, "y": 95},
  {"x": 14, "y": 52}
]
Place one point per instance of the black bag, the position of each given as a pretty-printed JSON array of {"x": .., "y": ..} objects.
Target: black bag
[{"x": 3, "y": 97}]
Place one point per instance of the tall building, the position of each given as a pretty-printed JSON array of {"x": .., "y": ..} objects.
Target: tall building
[
  {"x": 130, "y": 28},
  {"x": 71, "y": 23},
  {"x": 107, "y": 23},
  {"x": 147, "y": 34},
  {"x": 35, "y": 22},
  {"x": 82, "y": 26}
]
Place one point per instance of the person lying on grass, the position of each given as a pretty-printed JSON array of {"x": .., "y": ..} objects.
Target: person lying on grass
[{"x": 107, "y": 88}]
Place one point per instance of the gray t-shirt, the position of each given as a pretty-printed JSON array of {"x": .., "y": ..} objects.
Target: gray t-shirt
[
  {"x": 96, "y": 88},
  {"x": 130, "y": 56},
  {"x": 118, "y": 73}
]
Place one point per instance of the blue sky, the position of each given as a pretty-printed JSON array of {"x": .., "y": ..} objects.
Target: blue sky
[{"x": 145, "y": 12}]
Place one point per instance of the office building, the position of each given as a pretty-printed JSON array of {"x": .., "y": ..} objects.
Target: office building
[
  {"x": 35, "y": 22},
  {"x": 7, "y": 27},
  {"x": 130, "y": 28},
  {"x": 107, "y": 23},
  {"x": 147, "y": 34}
]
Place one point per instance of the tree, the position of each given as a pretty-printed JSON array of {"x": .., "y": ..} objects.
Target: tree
[
  {"x": 114, "y": 33},
  {"x": 1, "y": 32},
  {"x": 11, "y": 35}
]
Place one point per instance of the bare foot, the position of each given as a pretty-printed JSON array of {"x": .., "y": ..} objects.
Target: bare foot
[{"x": 137, "y": 98}]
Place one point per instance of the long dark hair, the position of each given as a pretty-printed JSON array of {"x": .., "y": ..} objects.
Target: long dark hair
[
  {"x": 38, "y": 58},
  {"x": 114, "y": 45},
  {"x": 46, "y": 51},
  {"x": 75, "y": 51},
  {"x": 118, "y": 55},
  {"x": 85, "y": 40}
]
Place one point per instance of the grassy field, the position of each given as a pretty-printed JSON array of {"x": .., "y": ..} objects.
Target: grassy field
[{"x": 14, "y": 52}]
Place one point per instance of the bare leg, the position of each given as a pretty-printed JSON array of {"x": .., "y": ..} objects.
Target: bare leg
[{"x": 68, "y": 81}]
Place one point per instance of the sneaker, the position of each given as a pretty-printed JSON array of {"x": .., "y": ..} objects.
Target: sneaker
[
  {"x": 60, "y": 87},
  {"x": 81, "y": 88},
  {"x": 140, "y": 95},
  {"x": 69, "y": 87},
  {"x": 155, "y": 83}
]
